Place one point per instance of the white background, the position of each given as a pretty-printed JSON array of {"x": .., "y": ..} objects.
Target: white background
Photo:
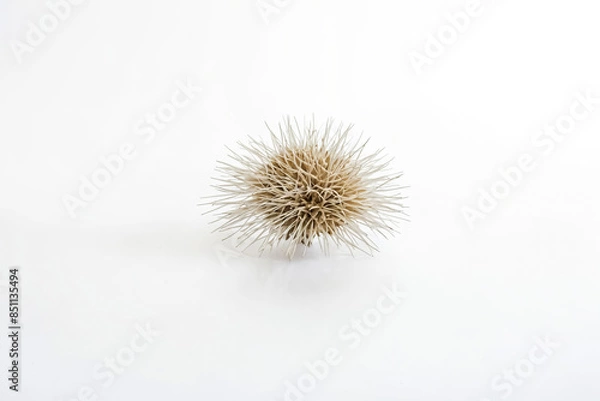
[{"x": 236, "y": 327}]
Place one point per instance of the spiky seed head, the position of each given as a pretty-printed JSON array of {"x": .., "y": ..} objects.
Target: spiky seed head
[{"x": 307, "y": 185}]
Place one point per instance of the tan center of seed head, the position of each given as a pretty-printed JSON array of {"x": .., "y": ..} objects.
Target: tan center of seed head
[{"x": 306, "y": 192}]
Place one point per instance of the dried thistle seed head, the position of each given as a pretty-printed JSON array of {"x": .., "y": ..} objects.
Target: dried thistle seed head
[{"x": 307, "y": 185}]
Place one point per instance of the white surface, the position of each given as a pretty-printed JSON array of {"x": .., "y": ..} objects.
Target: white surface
[{"x": 234, "y": 327}]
